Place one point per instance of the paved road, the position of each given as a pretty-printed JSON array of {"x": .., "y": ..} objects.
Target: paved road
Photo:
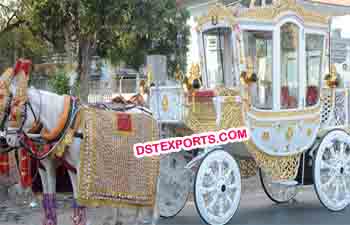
[{"x": 255, "y": 209}]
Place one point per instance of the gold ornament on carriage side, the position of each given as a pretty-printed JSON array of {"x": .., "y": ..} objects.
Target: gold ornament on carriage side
[
  {"x": 289, "y": 134},
  {"x": 332, "y": 79},
  {"x": 265, "y": 136},
  {"x": 195, "y": 76},
  {"x": 150, "y": 76},
  {"x": 248, "y": 77},
  {"x": 309, "y": 132},
  {"x": 165, "y": 103}
]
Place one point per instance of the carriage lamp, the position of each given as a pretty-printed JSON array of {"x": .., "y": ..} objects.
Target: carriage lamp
[{"x": 332, "y": 79}]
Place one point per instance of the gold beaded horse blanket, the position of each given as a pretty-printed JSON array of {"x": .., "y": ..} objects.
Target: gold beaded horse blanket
[{"x": 109, "y": 173}]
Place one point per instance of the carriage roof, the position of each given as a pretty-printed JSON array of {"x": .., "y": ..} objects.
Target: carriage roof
[{"x": 268, "y": 14}]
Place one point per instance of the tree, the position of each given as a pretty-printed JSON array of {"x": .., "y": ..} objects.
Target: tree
[
  {"x": 16, "y": 39},
  {"x": 60, "y": 82},
  {"x": 20, "y": 43},
  {"x": 124, "y": 30},
  {"x": 11, "y": 15}
]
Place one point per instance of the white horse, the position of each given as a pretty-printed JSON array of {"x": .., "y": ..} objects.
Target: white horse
[{"x": 49, "y": 106}]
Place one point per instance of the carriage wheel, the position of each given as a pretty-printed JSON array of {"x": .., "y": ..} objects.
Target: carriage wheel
[
  {"x": 332, "y": 170},
  {"x": 277, "y": 192},
  {"x": 175, "y": 184},
  {"x": 217, "y": 189}
]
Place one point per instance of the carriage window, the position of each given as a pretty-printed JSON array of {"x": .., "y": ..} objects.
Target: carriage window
[
  {"x": 314, "y": 58},
  {"x": 258, "y": 51},
  {"x": 218, "y": 57},
  {"x": 289, "y": 66}
]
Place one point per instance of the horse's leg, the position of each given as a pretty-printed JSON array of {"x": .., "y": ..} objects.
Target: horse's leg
[
  {"x": 72, "y": 157},
  {"x": 43, "y": 177},
  {"x": 49, "y": 199}
]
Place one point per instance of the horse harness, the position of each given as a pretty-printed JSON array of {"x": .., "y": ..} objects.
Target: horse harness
[{"x": 71, "y": 123}]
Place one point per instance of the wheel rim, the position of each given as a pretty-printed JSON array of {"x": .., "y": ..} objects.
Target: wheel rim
[
  {"x": 332, "y": 171},
  {"x": 278, "y": 193},
  {"x": 175, "y": 184},
  {"x": 217, "y": 188}
]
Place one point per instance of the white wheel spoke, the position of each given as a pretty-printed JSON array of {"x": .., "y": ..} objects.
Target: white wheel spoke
[
  {"x": 344, "y": 185},
  {"x": 233, "y": 185},
  {"x": 213, "y": 201},
  {"x": 208, "y": 189},
  {"x": 330, "y": 181},
  {"x": 347, "y": 158},
  {"x": 211, "y": 173},
  {"x": 230, "y": 202},
  {"x": 326, "y": 165},
  {"x": 331, "y": 149},
  {"x": 347, "y": 171},
  {"x": 227, "y": 175},
  {"x": 221, "y": 207},
  {"x": 220, "y": 169},
  {"x": 336, "y": 193},
  {"x": 342, "y": 150}
]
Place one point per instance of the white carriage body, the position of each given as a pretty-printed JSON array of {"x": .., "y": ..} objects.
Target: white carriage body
[
  {"x": 167, "y": 104},
  {"x": 274, "y": 59}
]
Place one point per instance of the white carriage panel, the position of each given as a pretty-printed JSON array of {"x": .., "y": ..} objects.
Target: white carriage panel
[
  {"x": 285, "y": 137},
  {"x": 167, "y": 104}
]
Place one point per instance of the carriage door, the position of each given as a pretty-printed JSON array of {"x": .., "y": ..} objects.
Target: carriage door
[
  {"x": 258, "y": 47},
  {"x": 290, "y": 66},
  {"x": 314, "y": 70},
  {"x": 218, "y": 58}
]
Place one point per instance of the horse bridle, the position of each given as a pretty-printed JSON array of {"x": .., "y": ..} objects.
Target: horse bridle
[{"x": 4, "y": 130}]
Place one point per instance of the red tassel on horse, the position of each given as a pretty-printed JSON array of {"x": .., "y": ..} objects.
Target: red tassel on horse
[
  {"x": 4, "y": 164},
  {"x": 26, "y": 175}
]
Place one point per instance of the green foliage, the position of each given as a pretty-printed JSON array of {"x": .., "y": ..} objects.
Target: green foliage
[
  {"x": 155, "y": 29},
  {"x": 124, "y": 30},
  {"x": 60, "y": 82},
  {"x": 20, "y": 43}
]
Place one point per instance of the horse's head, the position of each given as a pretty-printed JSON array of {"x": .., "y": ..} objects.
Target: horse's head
[{"x": 13, "y": 95}]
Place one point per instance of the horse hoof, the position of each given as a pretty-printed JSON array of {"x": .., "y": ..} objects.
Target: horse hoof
[{"x": 49, "y": 222}]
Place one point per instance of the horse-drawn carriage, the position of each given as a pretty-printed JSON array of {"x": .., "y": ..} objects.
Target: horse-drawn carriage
[{"x": 263, "y": 68}]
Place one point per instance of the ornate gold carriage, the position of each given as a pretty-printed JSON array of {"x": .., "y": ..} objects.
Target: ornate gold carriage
[{"x": 263, "y": 68}]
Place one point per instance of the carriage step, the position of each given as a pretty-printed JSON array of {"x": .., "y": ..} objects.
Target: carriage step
[{"x": 289, "y": 183}]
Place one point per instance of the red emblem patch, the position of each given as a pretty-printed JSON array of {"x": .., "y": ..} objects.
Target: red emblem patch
[{"x": 124, "y": 122}]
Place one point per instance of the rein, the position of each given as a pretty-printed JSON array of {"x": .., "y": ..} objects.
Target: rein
[{"x": 29, "y": 143}]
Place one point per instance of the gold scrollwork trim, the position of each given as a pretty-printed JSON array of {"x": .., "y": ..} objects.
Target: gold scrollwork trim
[
  {"x": 256, "y": 123},
  {"x": 278, "y": 167},
  {"x": 279, "y": 114},
  {"x": 165, "y": 103},
  {"x": 218, "y": 12},
  {"x": 272, "y": 12}
]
